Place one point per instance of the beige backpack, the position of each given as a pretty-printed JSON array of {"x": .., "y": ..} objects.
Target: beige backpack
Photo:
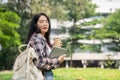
[{"x": 24, "y": 68}]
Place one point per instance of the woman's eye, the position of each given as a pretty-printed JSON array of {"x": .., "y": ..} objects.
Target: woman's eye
[{"x": 41, "y": 21}]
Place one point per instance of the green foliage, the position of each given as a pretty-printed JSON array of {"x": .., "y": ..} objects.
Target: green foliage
[
  {"x": 22, "y": 8},
  {"x": 8, "y": 25},
  {"x": 113, "y": 22},
  {"x": 9, "y": 38},
  {"x": 111, "y": 30},
  {"x": 117, "y": 63},
  {"x": 77, "y": 10},
  {"x": 94, "y": 22},
  {"x": 53, "y": 8},
  {"x": 109, "y": 63},
  {"x": 90, "y": 47}
]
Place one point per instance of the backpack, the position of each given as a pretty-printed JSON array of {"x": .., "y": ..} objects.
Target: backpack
[{"x": 24, "y": 68}]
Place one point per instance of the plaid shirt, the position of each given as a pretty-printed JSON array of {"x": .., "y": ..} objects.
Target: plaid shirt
[{"x": 38, "y": 42}]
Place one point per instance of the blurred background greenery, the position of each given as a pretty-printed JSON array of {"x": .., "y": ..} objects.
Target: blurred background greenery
[{"x": 15, "y": 17}]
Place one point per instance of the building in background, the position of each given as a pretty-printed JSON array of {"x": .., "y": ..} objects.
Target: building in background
[{"x": 106, "y": 6}]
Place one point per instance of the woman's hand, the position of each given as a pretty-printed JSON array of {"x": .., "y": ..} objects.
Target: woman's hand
[{"x": 61, "y": 58}]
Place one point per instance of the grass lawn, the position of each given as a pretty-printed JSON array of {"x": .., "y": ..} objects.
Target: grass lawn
[
  {"x": 76, "y": 74},
  {"x": 6, "y": 75}
]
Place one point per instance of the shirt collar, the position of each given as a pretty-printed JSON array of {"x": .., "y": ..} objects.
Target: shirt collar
[{"x": 39, "y": 35}]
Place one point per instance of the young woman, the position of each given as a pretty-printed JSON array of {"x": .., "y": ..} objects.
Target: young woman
[{"x": 38, "y": 38}]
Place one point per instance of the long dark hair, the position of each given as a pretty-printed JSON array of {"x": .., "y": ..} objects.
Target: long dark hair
[{"x": 34, "y": 28}]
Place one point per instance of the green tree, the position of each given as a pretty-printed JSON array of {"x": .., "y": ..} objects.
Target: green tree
[
  {"x": 76, "y": 10},
  {"x": 111, "y": 30},
  {"x": 22, "y": 8},
  {"x": 9, "y": 38},
  {"x": 53, "y": 8},
  {"x": 27, "y": 8}
]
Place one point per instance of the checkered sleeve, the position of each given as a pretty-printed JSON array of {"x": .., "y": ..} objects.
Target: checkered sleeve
[{"x": 43, "y": 62}]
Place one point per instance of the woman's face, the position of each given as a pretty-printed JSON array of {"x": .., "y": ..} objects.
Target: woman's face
[{"x": 43, "y": 24}]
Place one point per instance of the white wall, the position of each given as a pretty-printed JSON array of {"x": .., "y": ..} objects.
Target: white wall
[{"x": 107, "y": 6}]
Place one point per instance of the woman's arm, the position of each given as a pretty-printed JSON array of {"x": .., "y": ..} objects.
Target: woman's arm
[{"x": 43, "y": 62}]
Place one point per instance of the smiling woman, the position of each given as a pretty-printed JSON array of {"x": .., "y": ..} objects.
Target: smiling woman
[
  {"x": 38, "y": 39},
  {"x": 43, "y": 25}
]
